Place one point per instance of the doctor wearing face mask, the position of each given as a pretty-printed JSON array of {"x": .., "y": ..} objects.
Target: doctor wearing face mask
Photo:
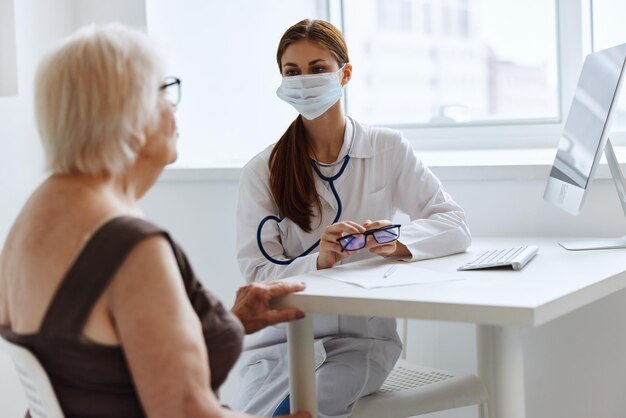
[{"x": 324, "y": 195}]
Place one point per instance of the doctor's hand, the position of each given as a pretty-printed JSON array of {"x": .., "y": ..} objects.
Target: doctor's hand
[
  {"x": 393, "y": 248},
  {"x": 330, "y": 250},
  {"x": 252, "y": 304}
]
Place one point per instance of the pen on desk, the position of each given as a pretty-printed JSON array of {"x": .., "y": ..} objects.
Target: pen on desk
[{"x": 390, "y": 270}]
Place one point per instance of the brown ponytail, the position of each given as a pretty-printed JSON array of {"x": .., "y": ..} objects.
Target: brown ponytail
[{"x": 291, "y": 176}]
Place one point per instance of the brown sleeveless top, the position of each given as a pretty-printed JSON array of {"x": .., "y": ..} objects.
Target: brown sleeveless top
[{"x": 93, "y": 380}]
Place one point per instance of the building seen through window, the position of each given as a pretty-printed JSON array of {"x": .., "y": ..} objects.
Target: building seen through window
[{"x": 448, "y": 61}]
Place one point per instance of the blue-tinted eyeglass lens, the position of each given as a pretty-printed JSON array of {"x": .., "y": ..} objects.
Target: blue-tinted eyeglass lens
[
  {"x": 353, "y": 242},
  {"x": 386, "y": 235}
]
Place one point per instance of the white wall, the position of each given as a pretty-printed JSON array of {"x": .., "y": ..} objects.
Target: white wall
[{"x": 127, "y": 12}]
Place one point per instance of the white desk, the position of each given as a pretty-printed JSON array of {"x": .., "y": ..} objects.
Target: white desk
[{"x": 500, "y": 302}]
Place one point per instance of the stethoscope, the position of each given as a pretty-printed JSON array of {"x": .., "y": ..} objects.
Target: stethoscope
[{"x": 331, "y": 182}]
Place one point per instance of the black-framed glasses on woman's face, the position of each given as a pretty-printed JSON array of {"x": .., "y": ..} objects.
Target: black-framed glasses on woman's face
[
  {"x": 172, "y": 90},
  {"x": 382, "y": 235}
]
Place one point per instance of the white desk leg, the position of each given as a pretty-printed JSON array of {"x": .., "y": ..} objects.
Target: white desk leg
[
  {"x": 302, "y": 366},
  {"x": 501, "y": 368}
]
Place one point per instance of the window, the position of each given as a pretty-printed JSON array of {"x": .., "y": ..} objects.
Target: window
[
  {"x": 451, "y": 74},
  {"x": 225, "y": 54},
  {"x": 609, "y": 29},
  {"x": 489, "y": 60},
  {"x": 394, "y": 15},
  {"x": 609, "y": 25}
]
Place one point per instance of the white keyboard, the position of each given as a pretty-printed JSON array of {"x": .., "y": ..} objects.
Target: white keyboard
[{"x": 516, "y": 257}]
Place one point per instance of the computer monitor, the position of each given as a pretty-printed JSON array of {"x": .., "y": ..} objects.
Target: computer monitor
[{"x": 584, "y": 138}]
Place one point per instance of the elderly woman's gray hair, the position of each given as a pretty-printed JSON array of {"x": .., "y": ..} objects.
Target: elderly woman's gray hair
[{"x": 95, "y": 96}]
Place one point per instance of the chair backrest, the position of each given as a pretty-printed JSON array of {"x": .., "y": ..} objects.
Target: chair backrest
[{"x": 42, "y": 400}]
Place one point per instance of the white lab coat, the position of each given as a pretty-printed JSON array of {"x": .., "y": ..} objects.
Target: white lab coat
[{"x": 353, "y": 354}]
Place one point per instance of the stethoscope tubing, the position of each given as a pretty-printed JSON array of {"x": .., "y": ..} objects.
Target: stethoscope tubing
[{"x": 331, "y": 183}]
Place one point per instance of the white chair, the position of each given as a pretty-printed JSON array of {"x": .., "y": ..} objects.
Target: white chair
[
  {"x": 42, "y": 400},
  {"x": 411, "y": 390}
]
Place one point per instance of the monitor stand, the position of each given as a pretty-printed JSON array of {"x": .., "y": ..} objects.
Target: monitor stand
[{"x": 620, "y": 185}]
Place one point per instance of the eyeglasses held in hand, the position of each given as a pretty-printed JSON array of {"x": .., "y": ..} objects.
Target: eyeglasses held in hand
[
  {"x": 172, "y": 90},
  {"x": 382, "y": 235}
]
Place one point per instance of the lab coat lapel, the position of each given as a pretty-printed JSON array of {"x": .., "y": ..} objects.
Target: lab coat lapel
[{"x": 361, "y": 148}]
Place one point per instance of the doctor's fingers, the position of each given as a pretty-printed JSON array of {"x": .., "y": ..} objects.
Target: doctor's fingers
[
  {"x": 330, "y": 244},
  {"x": 344, "y": 227},
  {"x": 376, "y": 224}
]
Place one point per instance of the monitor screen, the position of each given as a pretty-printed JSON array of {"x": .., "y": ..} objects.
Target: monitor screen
[{"x": 586, "y": 128}]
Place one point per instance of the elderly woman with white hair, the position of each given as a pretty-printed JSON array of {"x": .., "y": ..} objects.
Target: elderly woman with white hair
[{"x": 105, "y": 299}]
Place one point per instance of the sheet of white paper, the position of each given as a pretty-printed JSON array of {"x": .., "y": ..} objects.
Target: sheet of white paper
[{"x": 371, "y": 276}]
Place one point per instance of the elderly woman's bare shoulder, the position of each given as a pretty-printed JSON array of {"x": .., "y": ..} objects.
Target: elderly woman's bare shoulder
[
  {"x": 148, "y": 262},
  {"x": 147, "y": 286}
]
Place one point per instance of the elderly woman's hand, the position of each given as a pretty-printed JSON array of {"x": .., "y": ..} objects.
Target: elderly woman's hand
[{"x": 252, "y": 305}]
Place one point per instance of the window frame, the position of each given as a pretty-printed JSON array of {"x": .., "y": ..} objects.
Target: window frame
[{"x": 574, "y": 35}]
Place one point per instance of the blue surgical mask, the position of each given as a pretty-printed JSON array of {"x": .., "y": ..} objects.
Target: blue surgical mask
[{"x": 312, "y": 94}]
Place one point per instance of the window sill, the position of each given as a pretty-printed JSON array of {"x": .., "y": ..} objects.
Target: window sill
[{"x": 457, "y": 165}]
